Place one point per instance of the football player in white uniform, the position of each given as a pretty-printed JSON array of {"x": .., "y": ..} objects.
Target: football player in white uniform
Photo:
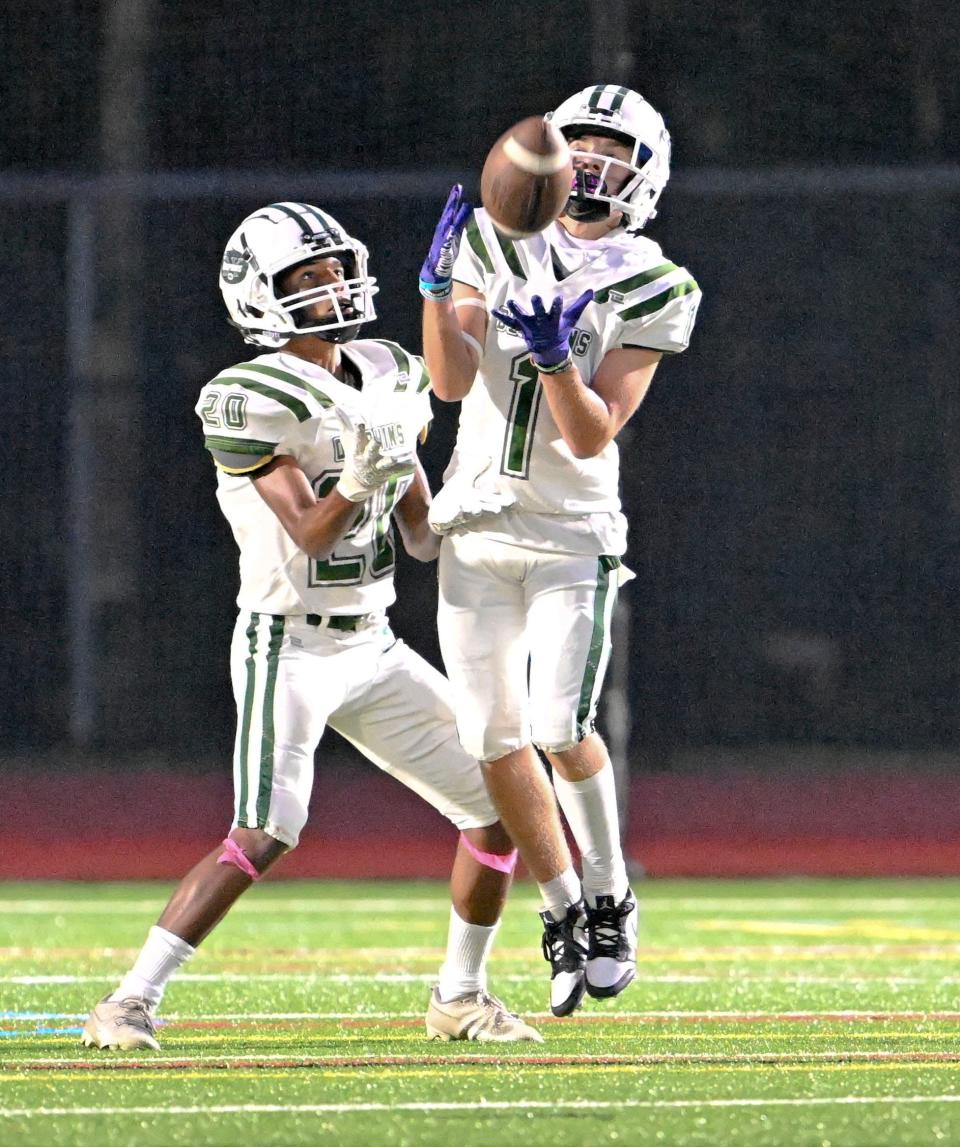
[
  {"x": 551, "y": 343},
  {"x": 315, "y": 446}
]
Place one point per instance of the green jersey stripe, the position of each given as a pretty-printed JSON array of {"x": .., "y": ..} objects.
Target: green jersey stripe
[
  {"x": 267, "y": 738},
  {"x": 239, "y": 445},
  {"x": 294, "y": 405},
  {"x": 475, "y": 239},
  {"x": 658, "y": 302},
  {"x": 243, "y": 739},
  {"x": 424, "y": 376},
  {"x": 400, "y": 357},
  {"x": 285, "y": 376},
  {"x": 598, "y": 640},
  {"x": 625, "y": 286},
  {"x": 512, "y": 256}
]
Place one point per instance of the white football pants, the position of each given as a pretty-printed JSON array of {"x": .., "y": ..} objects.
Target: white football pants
[
  {"x": 291, "y": 679},
  {"x": 525, "y": 637}
]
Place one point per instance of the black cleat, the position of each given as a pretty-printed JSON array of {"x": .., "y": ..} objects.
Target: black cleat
[{"x": 565, "y": 948}]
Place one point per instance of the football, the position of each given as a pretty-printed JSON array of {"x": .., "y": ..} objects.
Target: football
[{"x": 526, "y": 178}]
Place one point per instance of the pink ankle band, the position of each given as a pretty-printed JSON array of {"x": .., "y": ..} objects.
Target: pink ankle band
[
  {"x": 491, "y": 859},
  {"x": 234, "y": 854}
]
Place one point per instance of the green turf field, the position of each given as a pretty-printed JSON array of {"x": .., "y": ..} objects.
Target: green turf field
[{"x": 789, "y": 1012}]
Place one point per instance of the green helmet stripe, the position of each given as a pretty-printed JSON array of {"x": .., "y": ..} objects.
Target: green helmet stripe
[
  {"x": 307, "y": 229},
  {"x": 593, "y": 103},
  {"x": 619, "y": 96}
]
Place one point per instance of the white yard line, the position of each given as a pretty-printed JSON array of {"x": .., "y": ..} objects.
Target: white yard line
[
  {"x": 476, "y": 1106},
  {"x": 693, "y": 1014},
  {"x": 512, "y": 978},
  {"x": 843, "y": 904}
]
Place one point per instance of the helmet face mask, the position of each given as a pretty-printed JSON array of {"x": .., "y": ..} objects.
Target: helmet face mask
[
  {"x": 274, "y": 240},
  {"x": 625, "y": 116}
]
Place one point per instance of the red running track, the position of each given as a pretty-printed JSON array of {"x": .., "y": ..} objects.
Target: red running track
[{"x": 111, "y": 825}]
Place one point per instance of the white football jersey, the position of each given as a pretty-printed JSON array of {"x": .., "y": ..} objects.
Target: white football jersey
[
  {"x": 640, "y": 299},
  {"x": 280, "y": 404}
]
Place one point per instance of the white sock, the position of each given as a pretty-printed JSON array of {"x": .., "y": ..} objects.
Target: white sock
[
  {"x": 159, "y": 958},
  {"x": 590, "y": 807},
  {"x": 464, "y": 971},
  {"x": 558, "y": 894}
]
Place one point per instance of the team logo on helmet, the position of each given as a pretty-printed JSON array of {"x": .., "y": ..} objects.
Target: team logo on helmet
[
  {"x": 275, "y": 239},
  {"x": 234, "y": 266}
]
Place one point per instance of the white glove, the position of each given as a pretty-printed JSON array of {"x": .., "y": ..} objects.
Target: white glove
[
  {"x": 460, "y": 502},
  {"x": 368, "y": 465}
]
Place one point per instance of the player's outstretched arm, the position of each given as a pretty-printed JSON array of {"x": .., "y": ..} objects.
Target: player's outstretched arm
[
  {"x": 315, "y": 526},
  {"x": 419, "y": 540},
  {"x": 453, "y": 329}
]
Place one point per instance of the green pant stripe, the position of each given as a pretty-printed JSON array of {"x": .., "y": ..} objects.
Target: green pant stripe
[
  {"x": 243, "y": 741},
  {"x": 267, "y": 733},
  {"x": 598, "y": 639}
]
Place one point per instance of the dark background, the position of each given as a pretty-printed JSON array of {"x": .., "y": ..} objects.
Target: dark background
[{"x": 792, "y": 480}]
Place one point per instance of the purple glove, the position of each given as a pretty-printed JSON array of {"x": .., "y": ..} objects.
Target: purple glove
[
  {"x": 546, "y": 333},
  {"x": 436, "y": 274}
]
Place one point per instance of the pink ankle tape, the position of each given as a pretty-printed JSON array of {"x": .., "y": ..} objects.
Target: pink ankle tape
[
  {"x": 234, "y": 854},
  {"x": 493, "y": 860}
]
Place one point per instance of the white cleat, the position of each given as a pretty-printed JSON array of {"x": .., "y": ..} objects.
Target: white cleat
[
  {"x": 122, "y": 1024},
  {"x": 612, "y": 946},
  {"x": 478, "y": 1016}
]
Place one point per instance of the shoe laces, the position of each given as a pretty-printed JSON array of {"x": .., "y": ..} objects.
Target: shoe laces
[
  {"x": 136, "y": 1013},
  {"x": 485, "y": 999},
  {"x": 561, "y": 946},
  {"x": 605, "y": 931}
]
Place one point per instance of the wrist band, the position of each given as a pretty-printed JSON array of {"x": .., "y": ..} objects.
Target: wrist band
[
  {"x": 436, "y": 291},
  {"x": 567, "y": 364}
]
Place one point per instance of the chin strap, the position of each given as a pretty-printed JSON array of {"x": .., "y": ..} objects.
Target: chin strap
[{"x": 497, "y": 861}]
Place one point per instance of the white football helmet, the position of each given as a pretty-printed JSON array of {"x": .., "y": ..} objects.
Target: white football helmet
[
  {"x": 269, "y": 242},
  {"x": 623, "y": 115}
]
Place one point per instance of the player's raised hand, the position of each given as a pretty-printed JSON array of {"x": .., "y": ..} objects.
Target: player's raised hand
[
  {"x": 368, "y": 464},
  {"x": 436, "y": 274},
  {"x": 546, "y": 332}
]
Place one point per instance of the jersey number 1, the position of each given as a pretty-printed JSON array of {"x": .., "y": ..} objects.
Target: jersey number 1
[{"x": 522, "y": 419}]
